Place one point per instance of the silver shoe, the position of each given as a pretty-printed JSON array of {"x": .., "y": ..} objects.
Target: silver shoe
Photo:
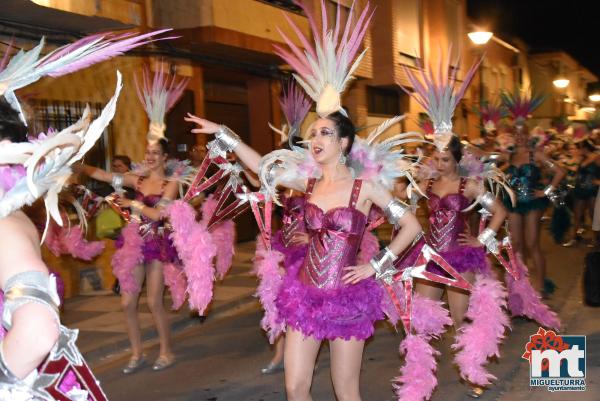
[
  {"x": 134, "y": 364},
  {"x": 163, "y": 362},
  {"x": 272, "y": 368}
]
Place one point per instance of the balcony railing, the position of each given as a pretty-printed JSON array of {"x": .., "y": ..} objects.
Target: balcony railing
[{"x": 285, "y": 4}]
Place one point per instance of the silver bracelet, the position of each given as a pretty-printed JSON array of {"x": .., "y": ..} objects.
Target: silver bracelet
[
  {"x": 488, "y": 239},
  {"x": 117, "y": 182},
  {"x": 383, "y": 264},
  {"x": 549, "y": 163},
  {"x": 487, "y": 201},
  {"x": 395, "y": 210},
  {"x": 229, "y": 139},
  {"x": 163, "y": 202},
  {"x": 137, "y": 207}
]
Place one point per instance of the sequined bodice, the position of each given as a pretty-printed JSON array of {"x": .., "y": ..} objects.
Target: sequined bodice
[
  {"x": 525, "y": 179},
  {"x": 586, "y": 176},
  {"x": 293, "y": 218},
  {"x": 335, "y": 238},
  {"x": 148, "y": 200},
  {"x": 446, "y": 221}
]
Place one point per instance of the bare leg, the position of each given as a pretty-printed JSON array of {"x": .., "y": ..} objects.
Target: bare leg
[
  {"x": 532, "y": 242},
  {"x": 299, "y": 356},
  {"x": 129, "y": 303},
  {"x": 279, "y": 344},
  {"x": 429, "y": 289},
  {"x": 346, "y": 359},
  {"x": 578, "y": 216},
  {"x": 156, "y": 288},
  {"x": 24, "y": 348},
  {"x": 458, "y": 301},
  {"x": 515, "y": 226}
]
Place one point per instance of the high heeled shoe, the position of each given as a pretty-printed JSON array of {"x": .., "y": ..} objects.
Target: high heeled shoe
[
  {"x": 135, "y": 363},
  {"x": 163, "y": 362},
  {"x": 272, "y": 368},
  {"x": 476, "y": 392}
]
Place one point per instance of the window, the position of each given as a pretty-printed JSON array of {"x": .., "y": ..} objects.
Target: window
[
  {"x": 383, "y": 101},
  {"x": 285, "y": 4}
]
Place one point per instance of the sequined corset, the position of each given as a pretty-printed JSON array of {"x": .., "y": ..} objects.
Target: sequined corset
[
  {"x": 335, "y": 238},
  {"x": 150, "y": 201},
  {"x": 525, "y": 179},
  {"x": 446, "y": 221},
  {"x": 293, "y": 218}
]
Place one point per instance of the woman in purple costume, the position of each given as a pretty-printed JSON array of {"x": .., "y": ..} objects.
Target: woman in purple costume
[
  {"x": 330, "y": 298},
  {"x": 152, "y": 193}
]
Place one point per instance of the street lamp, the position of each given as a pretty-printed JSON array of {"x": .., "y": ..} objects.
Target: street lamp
[
  {"x": 594, "y": 97},
  {"x": 480, "y": 38},
  {"x": 561, "y": 82}
]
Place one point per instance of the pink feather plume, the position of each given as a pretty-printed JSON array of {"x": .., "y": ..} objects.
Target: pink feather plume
[
  {"x": 77, "y": 246},
  {"x": 417, "y": 378},
  {"x": 161, "y": 82},
  {"x": 524, "y": 300},
  {"x": 368, "y": 248},
  {"x": 480, "y": 339},
  {"x": 223, "y": 235},
  {"x": 267, "y": 267},
  {"x": 126, "y": 258},
  {"x": 177, "y": 283},
  {"x": 196, "y": 249},
  {"x": 294, "y": 104}
]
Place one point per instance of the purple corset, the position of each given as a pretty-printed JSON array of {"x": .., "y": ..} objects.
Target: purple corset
[
  {"x": 293, "y": 218},
  {"x": 446, "y": 221},
  {"x": 150, "y": 201},
  {"x": 335, "y": 238}
]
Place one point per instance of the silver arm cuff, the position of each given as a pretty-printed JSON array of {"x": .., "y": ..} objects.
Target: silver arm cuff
[
  {"x": 552, "y": 194},
  {"x": 487, "y": 201},
  {"x": 488, "y": 239},
  {"x": 137, "y": 207},
  {"x": 163, "y": 202},
  {"x": 228, "y": 140},
  {"x": 27, "y": 287},
  {"x": 117, "y": 182},
  {"x": 395, "y": 210},
  {"x": 549, "y": 163},
  {"x": 383, "y": 264}
]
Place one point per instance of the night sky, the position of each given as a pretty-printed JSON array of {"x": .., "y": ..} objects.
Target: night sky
[{"x": 545, "y": 25}]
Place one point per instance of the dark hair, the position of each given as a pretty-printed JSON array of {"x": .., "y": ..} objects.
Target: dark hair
[
  {"x": 124, "y": 159},
  {"x": 345, "y": 128},
  {"x": 164, "y": 145},
  {"x": 587, "y": 144},
  {"x": 11, "y": 126},
  {"x": 455, "y": 148}
]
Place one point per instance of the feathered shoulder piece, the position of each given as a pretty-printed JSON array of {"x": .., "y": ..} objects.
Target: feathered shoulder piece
[
  {"x": 384, "y": 160},
  {"x": 437, "y": 93},
  {"x": 491, "y": 114},
  {"x": 324, "y": 68},
  {"x": 158, "y": 95},
  {"x": 26, "y": 67},
  {"x": 175, "y": 170},
  {"x": 41, "y": 167},
  {"x": 295, "y": 106},
  {"x": 521, "y": 104}
]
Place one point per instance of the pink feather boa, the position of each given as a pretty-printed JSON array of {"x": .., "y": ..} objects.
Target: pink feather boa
[
  {"x": 223, "y": 236},
  {"x": 524, "y": 300},
  {"x": 417, "y": 377},
  {"x": 267, "y": 265},
  {"x": 368, "y": 248},
  {"x": 196, "y": 249},
  {"x": 63, "y": 240},
  {"x": 480, "y": 339},
  {"x": 126, "y": 258},
  {"x": 177, "y": 283}
]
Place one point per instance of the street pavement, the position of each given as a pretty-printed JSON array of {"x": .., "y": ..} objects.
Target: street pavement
[{"x": 219, "y": 358}]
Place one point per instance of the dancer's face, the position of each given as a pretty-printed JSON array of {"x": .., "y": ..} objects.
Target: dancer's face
[
  {"x": 325, "y": 144},
  {"x": 155, "y": 158},
  {"x": 444, "y": 162},
  {"x": 522, "y": 136}
]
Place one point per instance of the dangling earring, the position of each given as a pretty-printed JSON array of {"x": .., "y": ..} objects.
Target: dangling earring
[{"x": 342, "y": 158}]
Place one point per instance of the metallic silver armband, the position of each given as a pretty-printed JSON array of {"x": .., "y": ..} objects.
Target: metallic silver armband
[
  {"x": 488, "y": 239},
  {"x": 163, "y": 202},
  {"x": 549, "y": 163},
  {"x": 383, "y": 264},
  {"x": 137, "y": 207},
  {"x": 550, "y": 192},
  {"x": 117, "y": 182},
  {"x": 486, "y": 201},
  {"x": 27, "y": 287},
  {"x": 395, "y": 210},
  {"x": 227, "y": 138}
]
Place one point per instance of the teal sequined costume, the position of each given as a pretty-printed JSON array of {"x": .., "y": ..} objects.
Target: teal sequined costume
[
  {"x": 524, "y": 181},
  {"x": 585, "y": 188}
]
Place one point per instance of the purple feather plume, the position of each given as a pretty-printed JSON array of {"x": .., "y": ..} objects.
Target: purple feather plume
[
  {"x": 197, "y": 250},
  {"x": 524, "y": 300},
  {"x": 126, "y": 258},
  {"x": 295, "y": 104},
  {"x": 480, "y": 339},
  {"x": 521, "y": 105}
]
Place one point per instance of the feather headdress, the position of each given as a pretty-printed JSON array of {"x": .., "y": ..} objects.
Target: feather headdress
[
  {"x": 437, "y": 94},
  {"x": 521, "y": 104},
  {"x": 26, "y": 67},
  {"x": 295, "y": 106},
  {"x": 47, "y": 161},
  {"x": 325, "y": 68},
  {"x": 158, "y": 95},
  {"x": 491, "y": 113}
]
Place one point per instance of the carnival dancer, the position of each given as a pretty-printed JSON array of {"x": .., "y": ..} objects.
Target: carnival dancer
[
  {"x": 30, "y": 170},
  {"x": 144, "y": 247},
  {"x": 525, "y": 167},
  {"x": 329, "y": 297}
]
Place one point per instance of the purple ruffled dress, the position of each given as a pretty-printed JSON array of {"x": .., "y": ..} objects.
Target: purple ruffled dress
[
  {"x": 293, "y": 222},
  {"x": 157, "y": 244},
  {"x": 446, "y": 223},
  {"x": 313, "y": 299}
]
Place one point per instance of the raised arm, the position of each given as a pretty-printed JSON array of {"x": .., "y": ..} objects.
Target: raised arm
[{"x": 116, "y": 180}]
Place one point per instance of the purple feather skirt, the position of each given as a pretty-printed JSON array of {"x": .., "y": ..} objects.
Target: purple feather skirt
[
  {"x": 156, "y": 247},
  {"x": 293, "y": 256},
  {"x": 343, "y": 313}
]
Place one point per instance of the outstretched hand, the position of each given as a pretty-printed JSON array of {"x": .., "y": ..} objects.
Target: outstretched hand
[{"x": 205, "y": 126}]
